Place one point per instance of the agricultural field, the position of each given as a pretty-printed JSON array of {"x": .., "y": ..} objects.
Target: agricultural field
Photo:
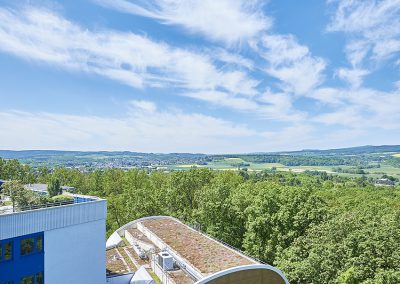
[
  {"x": 371, "y": 161},
  {"x": 235, "y": 164}
]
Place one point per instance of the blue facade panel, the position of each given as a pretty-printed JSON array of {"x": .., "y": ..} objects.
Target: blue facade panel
[{"x": 25, "y": 260}]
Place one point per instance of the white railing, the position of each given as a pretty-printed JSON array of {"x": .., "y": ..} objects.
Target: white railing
[{"x": 44, "y": 205}]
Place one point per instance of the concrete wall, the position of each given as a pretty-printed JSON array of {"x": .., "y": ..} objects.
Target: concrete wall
[{"x": 76, "y": 254}]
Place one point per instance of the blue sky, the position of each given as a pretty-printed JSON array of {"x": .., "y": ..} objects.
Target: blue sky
[{"x": 224, "y": 76}]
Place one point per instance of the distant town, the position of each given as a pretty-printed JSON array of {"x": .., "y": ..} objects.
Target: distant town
[{"x": 380, "y": 164}]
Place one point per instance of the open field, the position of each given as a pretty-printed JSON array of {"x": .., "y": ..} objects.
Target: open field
[
  {"x": 235, "y": 163},
  {"x": 396, "y": 155}
]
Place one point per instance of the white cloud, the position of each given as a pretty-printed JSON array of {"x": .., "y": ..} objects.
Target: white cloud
[
  {"x": 291, "y": 62},
  {"x": 135, "y": 60},
  {"x": 293, "y": 137},
  {"x": 230, "y": 21},
  {"x": 232, "y": 58},
  {"x": 42, "y": 35},
  {"x": 353, "y": 76},
  {"x": 141, "y": 130},
  {"x": 328, "y": 96},
  {"x": 268, "y": 105},
  {"x": 145, "y": 131},
  {"x": 356, "y": 51},
  {"x": 363, "y": 108},
  {"x": 372, "y": 25},
  {"x": 146, "y": 106},
  {"x": 348, "y": 116}
]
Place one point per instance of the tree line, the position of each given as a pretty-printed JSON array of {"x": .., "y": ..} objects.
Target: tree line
[{"x": 316, "y": 228}]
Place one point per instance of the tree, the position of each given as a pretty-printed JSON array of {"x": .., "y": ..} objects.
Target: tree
[
  {"x": 13, "y": 189},
  {"x": 54, "y": 187},
  {"x": 21, "y": 197}
]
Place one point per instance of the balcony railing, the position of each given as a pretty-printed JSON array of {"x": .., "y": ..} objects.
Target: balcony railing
[{"x": 45, "y": 205}]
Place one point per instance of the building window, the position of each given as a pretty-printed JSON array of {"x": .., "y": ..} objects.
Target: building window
[
  {"x": 27, "y": 246},
  {"x": 8, "y": 251},
  {"x": 39, "y": 278},
  {"x": 28, "y": 280},
  {"x": 39, "y": 244}
]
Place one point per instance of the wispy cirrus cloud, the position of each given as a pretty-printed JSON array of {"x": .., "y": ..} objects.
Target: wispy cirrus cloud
[
  {"x": 229, "y": 21},
  {"x": 373, "y": 27},
  {"x": 145, "y": 129},
  {"x": 271, "y": 106},
  {"x": 274, "y": 80},
  {"x": 140, "y": 129},
  {"x": 43, "y": 35},
  {"x": 290, "y": 62},
  {"x": 363, "y": 108}
]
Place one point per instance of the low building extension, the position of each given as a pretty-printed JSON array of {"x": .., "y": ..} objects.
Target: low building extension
[
  {"x": 54, "y": 243},
  {"x": 179, "y": 254}
]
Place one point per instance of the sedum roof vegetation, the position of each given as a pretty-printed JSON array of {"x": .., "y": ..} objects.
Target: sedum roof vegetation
[
  {"x": 139, "y": 235},
  {"x": 114, "y": 263},
  {"x": 205, "y": 254}
]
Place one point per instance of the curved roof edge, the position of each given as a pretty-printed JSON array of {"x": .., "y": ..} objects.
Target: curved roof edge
[{"x": 242, "y": 268}]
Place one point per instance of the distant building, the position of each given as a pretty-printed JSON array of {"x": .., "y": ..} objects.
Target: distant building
[
  {"x": 384, "y": 182},
  {"x": 54, "y": 245},
  {"x": 179, "y": 254},
  {"x": 41, "y": 188}
]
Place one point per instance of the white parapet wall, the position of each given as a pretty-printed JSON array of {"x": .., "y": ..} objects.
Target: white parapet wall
[{"x": 33, "y": 221}]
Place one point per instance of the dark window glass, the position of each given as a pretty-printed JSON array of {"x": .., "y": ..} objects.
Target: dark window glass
[
  {"x": 39, "y": 244},
  {"x": 27, "y": 246},
  {"x": 28, "y": 280},
  {"x": 8, "y": 251},
  {"x": 39, "y": 278}
]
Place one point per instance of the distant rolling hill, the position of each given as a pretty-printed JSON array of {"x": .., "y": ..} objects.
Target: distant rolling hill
[
  {"x": 350, "y": 151},
  {"x": 32, "y": 154}
]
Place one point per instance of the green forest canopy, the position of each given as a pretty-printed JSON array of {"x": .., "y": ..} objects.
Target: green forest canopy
[{"x": 316, "y": 228}]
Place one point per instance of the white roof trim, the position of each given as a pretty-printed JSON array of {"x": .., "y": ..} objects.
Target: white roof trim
[{"x": 241, "y": 268}]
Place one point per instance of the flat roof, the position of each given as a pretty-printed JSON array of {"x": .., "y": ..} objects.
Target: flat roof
[
  {"x": 42, "y": 187},
  {"x": 7, "y": 208},
  {"x": 204, "y": 253},
  {"x": 198, "y": 258},
  {"x": 115, "y": 263}
]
